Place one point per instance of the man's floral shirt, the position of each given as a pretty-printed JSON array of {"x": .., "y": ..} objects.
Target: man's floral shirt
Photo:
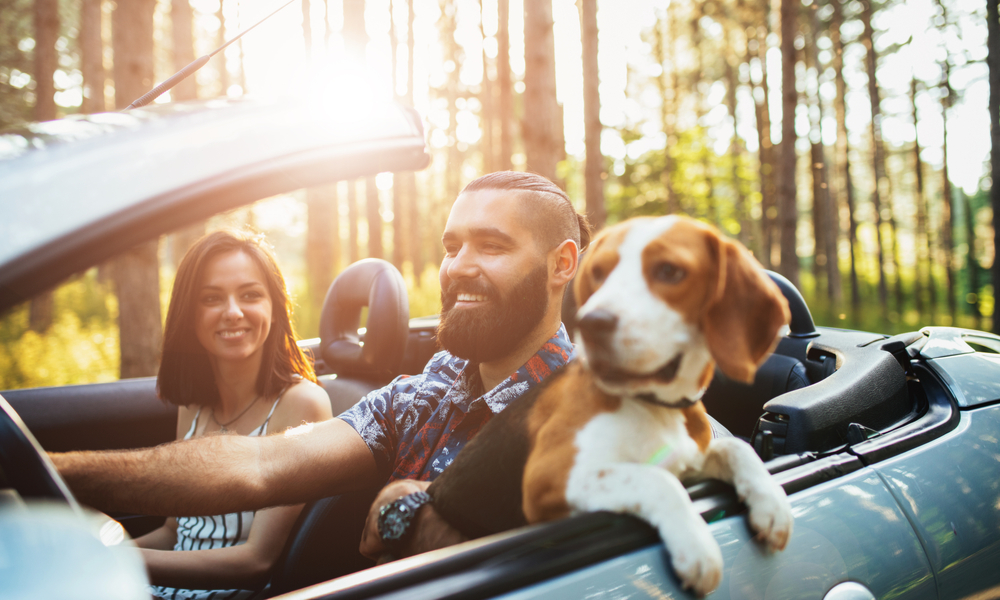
[{"x": 417, "y": 424}]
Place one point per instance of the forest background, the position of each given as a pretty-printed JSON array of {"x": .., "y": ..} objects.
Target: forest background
[{"x": 847, "y": 143}]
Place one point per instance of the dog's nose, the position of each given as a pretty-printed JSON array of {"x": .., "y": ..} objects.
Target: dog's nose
[{"x": 597, "y": 324}]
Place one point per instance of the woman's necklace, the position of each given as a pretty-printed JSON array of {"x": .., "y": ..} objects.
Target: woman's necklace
[{"x": 222, "y": 426}]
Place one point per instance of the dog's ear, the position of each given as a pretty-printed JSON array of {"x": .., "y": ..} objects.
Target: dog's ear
[{"x": 742, "y": 322}]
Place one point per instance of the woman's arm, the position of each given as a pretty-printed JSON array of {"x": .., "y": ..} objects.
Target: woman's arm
[
  {"x": 161, "y": 538},
  {"x": 246, "y": 566}
]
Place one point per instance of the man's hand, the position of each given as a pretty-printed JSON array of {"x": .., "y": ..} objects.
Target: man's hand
[{"x": 430, "y": 530}]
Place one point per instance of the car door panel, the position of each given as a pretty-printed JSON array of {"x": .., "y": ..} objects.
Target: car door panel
[
  {"x": 100, "y": 416},
  {"x": 848, "y": 529},
  {"x": 950, "y": 490}
]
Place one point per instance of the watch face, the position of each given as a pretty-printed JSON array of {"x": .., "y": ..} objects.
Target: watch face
[
  {"x": 395, "y": 518},
  {"x": 394, "y": 522}
]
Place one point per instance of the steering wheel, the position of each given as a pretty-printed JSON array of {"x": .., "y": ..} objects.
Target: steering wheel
[{"x": 24, "y": 466}]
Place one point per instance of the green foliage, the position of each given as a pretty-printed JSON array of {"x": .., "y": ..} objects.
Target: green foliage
[
  {"x": 16, "y": 86},
  {"x": 81, "y": 346},
  {"x": 702, "y": 181},
  {"x": 425, "y": 296}
]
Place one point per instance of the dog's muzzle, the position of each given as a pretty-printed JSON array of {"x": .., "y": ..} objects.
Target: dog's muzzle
[{"x": 610, "y": 373}]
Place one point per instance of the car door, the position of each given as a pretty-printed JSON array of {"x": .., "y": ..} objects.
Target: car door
[{"x": 849, "y": 529}]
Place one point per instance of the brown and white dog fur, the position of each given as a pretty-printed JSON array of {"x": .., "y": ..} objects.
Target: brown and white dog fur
[{"x": 662, "y": 301}]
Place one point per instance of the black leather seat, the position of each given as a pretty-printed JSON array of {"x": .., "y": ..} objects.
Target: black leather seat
[
  {"x": 324, "y": 541},
  {"x": 363, "y": 365},
  {"x": 738, "y": 406}
]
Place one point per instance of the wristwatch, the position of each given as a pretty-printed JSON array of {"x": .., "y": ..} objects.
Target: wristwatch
[{"x": 396, "y": 518}]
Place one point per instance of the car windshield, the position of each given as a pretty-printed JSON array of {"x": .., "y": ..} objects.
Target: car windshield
[{"x": 50, "y": 189}]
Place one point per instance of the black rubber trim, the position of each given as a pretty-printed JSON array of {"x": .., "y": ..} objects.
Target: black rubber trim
[
  {"x": 940, "y": 417},
  {"x": 535, "y": 552}
]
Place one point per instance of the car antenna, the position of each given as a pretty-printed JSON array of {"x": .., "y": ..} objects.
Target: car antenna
[{"x": 198, "y": 63}]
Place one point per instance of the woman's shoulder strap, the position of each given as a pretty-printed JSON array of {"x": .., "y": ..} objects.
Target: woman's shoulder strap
[
  {"x": 262, "y": 430},
  {"x": 194, "y": 424}
]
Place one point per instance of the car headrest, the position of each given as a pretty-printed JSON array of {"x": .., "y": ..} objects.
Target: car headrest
[{"x": 376, "y": 284}]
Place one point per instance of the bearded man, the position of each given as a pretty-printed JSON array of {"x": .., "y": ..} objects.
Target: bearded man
[{"x": 511, "y": 246}]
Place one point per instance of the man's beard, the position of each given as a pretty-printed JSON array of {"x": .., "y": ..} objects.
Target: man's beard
[{"x": 490, "y": 332}]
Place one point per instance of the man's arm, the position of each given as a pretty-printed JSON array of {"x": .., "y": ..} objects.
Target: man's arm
[{"x": 223, "y": 473}]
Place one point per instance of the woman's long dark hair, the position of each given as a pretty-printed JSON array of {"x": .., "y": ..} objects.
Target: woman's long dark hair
[{"x": 186, "y": 375}]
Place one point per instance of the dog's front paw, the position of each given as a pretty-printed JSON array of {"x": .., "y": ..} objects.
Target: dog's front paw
[
  {"x": 771, "y": 518},
  {"x": 698, "y": 563}
]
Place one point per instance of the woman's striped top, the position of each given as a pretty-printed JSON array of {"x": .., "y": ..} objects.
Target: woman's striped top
[{"x": 215, "y": 531}]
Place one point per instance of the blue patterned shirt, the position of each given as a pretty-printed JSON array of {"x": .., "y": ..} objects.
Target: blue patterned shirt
[{"x": 417, "y": 424}]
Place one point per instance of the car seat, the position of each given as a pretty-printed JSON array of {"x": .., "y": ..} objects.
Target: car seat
[
  {"x": 361, "y": 365},
  {"x": 323, "y": 542}
]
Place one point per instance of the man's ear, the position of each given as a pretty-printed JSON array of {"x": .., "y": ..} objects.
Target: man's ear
[{"x": 563, "y": 262}]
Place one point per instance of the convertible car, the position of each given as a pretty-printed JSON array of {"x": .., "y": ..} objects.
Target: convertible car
[{"x": 888, "y": 446}]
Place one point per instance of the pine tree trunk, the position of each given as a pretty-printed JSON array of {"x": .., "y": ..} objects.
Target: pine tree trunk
[
  {"x": 947, "y": 209},
  {"x": 352, "y": 221},
  {"x": 817, "y": 160},
  {"x": 993, "y": 58},
  {"x": 453, "y": 53},
  {"x": 321, "y": 241},
  {"x": 355, "y": 45},
  {"x": 92, "y": 57},
  {"x": 670, "y": 116},
  {"x": 711, "y": 211},
  {"x": 400, "y": 203},
  {"x": 136, "y": 273},
  {"x": 355, "y": 35},
  {"x": 827, "y": 241},
  {"x": 766, "y": 153},
  {"x": 787, "y": 208},
  {"x": 409, "y": 182},
  {"x": 882, "y": 189},
  {"x": 182, "y": 35},
  {"x": 321, "y": 211},
  {"x": 846, "y": 188},
  {"x": 486, "y": 99},
  {"x": 46, "y": 24},
  {"x": 594, "y": 173},
  {"x": 736, "y": 154},
  {"x": 876, "y": 137},
  {"x": 666, "y": 84},
  {"x": 505, "y": 96},
  {"x": 374, "y": 218},
  {"x": 542, "y": 128},
  {"x": 220, "y": 39},
  {"x": 971, "y": 262},
  {"x": 922, "y": 277}
]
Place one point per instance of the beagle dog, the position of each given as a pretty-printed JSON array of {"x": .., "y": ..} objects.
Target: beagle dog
[{"x": 662, "y": 302}]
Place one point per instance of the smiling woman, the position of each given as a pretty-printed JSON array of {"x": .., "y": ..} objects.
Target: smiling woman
[{"x": 232, "y": 365}]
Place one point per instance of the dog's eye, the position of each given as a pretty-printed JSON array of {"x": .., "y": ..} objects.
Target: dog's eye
[
  {"x": 597, "y": 273},
  {"x": 668, "y": 273}
]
